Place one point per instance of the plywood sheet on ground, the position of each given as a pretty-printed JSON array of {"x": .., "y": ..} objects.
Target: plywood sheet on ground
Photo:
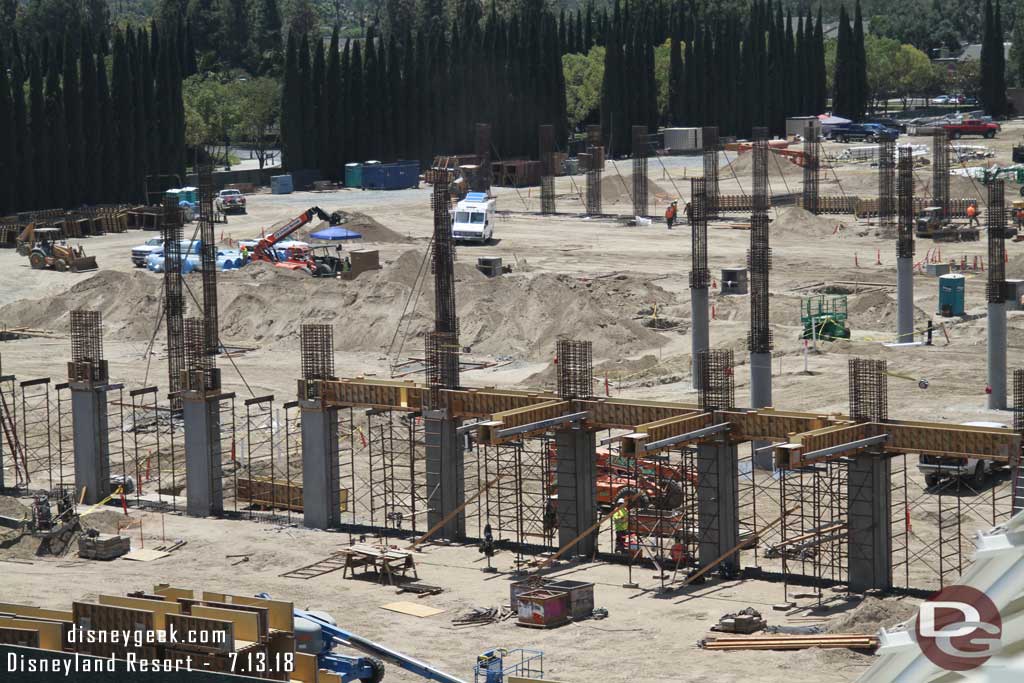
[
  {"x": 145, "y": 555},
  {"x": 412, "y": 609}
]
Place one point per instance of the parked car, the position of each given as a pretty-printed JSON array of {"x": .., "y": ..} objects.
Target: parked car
[
  {"x": 894, "y": 124},
  {"x": 936, "y": 468},
  {"x": 870, "y": 132},
  {"x": 941, "y": 99},
  {"x": 986, "y": 129},
  {"x": 140, "y": 252},
  {"x": 230, "y": 201}
]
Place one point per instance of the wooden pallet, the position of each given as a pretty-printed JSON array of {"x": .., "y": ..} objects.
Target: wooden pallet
[{"x": 325, "y": 566}]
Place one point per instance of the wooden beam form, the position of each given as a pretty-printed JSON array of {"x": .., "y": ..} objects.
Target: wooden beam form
[
  {"x": 652, "y": 432},
  {"x": 651, "y": 421}
]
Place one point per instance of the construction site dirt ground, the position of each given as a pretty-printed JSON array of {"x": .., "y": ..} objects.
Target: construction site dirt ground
[{"x": 621, "y": 286}]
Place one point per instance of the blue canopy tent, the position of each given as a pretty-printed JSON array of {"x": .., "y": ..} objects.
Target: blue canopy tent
[{"x": 336, "y": 233}]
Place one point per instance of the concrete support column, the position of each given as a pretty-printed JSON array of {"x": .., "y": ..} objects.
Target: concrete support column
[
  {"x": 761, "y": 397},
  {"x": 699, "y": 327},
  {"x": 446, "y": 482},
  {"x": 576, "y": 478},
  {"x": 91, "y": 441},
  {"x": 997, "y": 356},
  {"x": 321, "y": 487},
  {"x": 204, "y": 487},
  {"x": 869, "y": 524},
  {"x": 718, "y": 522},
  {"x": 904, "y": 300}
]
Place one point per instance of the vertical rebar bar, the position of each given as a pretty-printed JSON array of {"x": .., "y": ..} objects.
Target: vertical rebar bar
[
  {"x": 712, "y": 146},
  {"x": 546, "y": 153},
  {"x": 887, "y": 185},
  {"x": 174, "y": 302},
  {"x": 812, "y": 166},
  {"x": 940, "y": 170},
  {"x": 640, "y": 151},
  {"x": 208, "y": 258}
]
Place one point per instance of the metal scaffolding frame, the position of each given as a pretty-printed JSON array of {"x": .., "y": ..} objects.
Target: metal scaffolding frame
[
  {"x": 269, "y": 476},
  {"x": 65, "y": 433},
  {"x": 147, "y": 421},
  {"x": 397, "y": 472},
  {"x": 36, "y": 429},
  {"x": 518, "y": 506}
]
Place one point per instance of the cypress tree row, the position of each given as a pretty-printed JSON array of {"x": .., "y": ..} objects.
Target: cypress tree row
[
  {"x": 993, "y": 62},
  {"x": 418, "y": 93},
  {"x": 68, "y": 139}
]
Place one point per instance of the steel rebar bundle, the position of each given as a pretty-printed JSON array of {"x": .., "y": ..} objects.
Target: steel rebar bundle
[
  {"x": 443, "y": 262},
  {"x": 87, "y": 347},
  {"x": 716, "y": 382},
  {"x": 317, "y": 346}
]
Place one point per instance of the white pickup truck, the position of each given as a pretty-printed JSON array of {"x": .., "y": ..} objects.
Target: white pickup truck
[
  {"x": 935, "y": 468},
  {"x": 473, "y": 218},
  {"x": 140, "y": 252}
]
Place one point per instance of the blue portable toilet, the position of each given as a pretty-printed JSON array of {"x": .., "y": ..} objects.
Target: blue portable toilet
[
  {"x": 951, "y": 295},
  {"x": 281, "y": 184}
]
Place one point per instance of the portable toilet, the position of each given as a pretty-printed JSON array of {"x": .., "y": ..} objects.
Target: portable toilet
[
  {"x": 189, "y": 194},
  {"x": 951, "y": 295},
  {"x": 281, "y": 184},
  {"x": 353, "y": 175}
]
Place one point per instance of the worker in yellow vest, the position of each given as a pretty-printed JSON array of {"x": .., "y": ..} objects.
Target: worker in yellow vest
[{"x": 620, "y": 519}]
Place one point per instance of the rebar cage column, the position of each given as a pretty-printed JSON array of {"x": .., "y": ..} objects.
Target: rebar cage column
[
  {"x": 87, "y": 378},
  {"x": 641, "y": 147},
  {"x": 700, "y": 275},
  {"x": 546, "y": 144},
  {"x": 712, "y": 146},
  {"x": 208, "y": 256},
  {"x": 887, "y": 186},
  {"x": 201, "y": 411},
  {"x": 812, "y": 166},
  {"x": 759, "y": 261},
  {"x": 576, "y": 450},
  {"x": 174, "y": 302},
  {"x": 905, "y": 247},
  {"x": 594, "y": 170},
  {"x": 940, "y": 170}
]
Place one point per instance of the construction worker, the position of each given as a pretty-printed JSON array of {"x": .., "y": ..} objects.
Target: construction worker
[
  {"x": 670, "y": 214},
  {"x": 972, "y": 215},
  {"x": 688, "y": 210},
  {"x": 620, "y": 519}
]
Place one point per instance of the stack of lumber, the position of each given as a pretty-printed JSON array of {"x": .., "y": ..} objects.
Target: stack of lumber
[
  {"x": 103, "y": 546},
  {"x": 853, "y": 641}
]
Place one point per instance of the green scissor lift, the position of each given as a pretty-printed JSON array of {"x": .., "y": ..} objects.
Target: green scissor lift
[{"x": 824, "y": 317}]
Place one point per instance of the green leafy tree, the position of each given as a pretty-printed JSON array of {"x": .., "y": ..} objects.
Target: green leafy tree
[
  {"x": 211, "y": 112},
  {"x": 583, "y": 76},
  {"x": 258, "y": 110}
]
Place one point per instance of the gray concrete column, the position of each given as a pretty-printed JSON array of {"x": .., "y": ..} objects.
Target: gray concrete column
[
  {"x": 997, "y": 356},
  {"x": 321, "y": 486},
  {"x": 869, "y": 523},
  {"x": 718, "y": 523},
  {"x": 91, "y": 442},
  {"x": 761, "y": 397},
  {"x": 576, "y": 479},
  {"x": 904, "y": 300},
  {"x": 698, "y": 328},
  {"x": 446, "y": 482},
  {"x": 204, "y": 487}
]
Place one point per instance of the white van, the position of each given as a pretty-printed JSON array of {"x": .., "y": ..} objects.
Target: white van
[
  {"x": 935, "y": 468},
  {"x": 473, "y": 218}
]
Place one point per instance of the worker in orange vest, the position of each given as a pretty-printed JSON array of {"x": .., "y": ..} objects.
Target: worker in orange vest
[
  {"x": 972, "y": 215},
  {"x": 670, "y": 214}
]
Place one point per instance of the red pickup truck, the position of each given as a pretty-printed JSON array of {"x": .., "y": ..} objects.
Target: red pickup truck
[{"x": 985, "y": 129}]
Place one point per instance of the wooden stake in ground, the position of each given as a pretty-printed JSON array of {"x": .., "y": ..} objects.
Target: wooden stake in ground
[
  {"x": 451, "y": 515},
  {"x": 735, "y": 549}
]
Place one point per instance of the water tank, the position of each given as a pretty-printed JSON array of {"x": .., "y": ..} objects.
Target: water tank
[
  {"x": 281, "y": 184},
  {"x": 353, "y": 175},
  {"x": 951, "y": 295}
]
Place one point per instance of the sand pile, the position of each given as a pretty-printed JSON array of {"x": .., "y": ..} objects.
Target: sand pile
[
  {"x": 618, "y": 189},
  {"x": 104, "y": 521},
  {"x": 369, "y": 228},
  {"x": 872, "y": 614},
  {"x": 794, "y": 221},
  {"x": 779, "y": 169},
  {"x": 872, "y": 310},
  {"x": 520, "y": 314}
]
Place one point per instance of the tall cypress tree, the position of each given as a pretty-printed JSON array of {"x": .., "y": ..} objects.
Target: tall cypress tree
[
  {"x": 859, "y": 76},
  {"x": 73, "y": 122},
  {"x": 843, "y": 88},
  {"x": 24, "y": 152},
  {"x": 308, "y": 108},
  {"x": 92, "y": 154},
  {"x": 139, "y": 62},
  {"x": 58, "y": 137},
  {"x": 318, "y": 134},
  {"x": 40, "y": 135},
  {"x": 331, "y": 159},
  {"x": 8, "y": 152},
  {"x": 123, "y": 132},
  {"x": 999, "y": 81},
  {"x": 291, "y": 118}
]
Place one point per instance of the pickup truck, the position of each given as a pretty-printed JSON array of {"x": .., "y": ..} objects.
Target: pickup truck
[
  {"x": 935, "y": 468},
  {"x": 230, "y": 201},
  {"x": 871, "y": 132},
  {"x": 986, "y": 129},
  {"x": 140, "y": 252}
]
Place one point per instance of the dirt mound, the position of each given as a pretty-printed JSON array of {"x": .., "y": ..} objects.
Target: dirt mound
[
  {"x": 618, "y": 189},
  {"x": 779, "y": 168},
  {"x": 792, "y": 220},
  {"x": 871, "y": 310},
  {"x": 104, "y": 521},
  {"x": 12, "y": 507},
  {"x": 369, "y": 228},
  {"x": 520, "y": 314},
  {"x": 872, "y": 614}
]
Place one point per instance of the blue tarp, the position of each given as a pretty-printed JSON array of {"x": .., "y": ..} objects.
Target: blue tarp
[{"x": 336, "y": 232}]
